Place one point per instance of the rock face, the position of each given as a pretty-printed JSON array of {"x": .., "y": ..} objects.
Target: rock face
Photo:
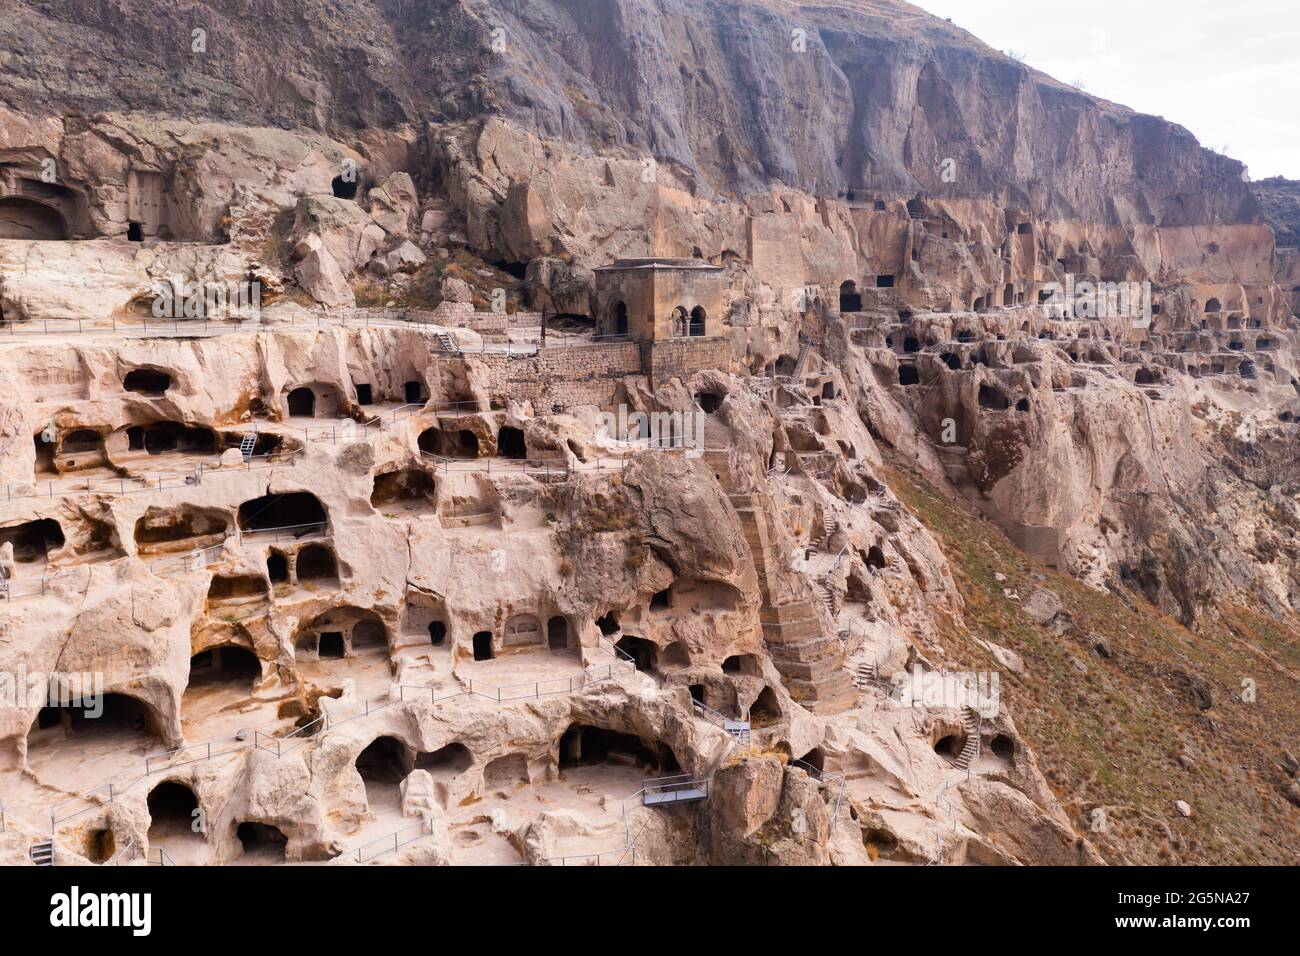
[{"x": 385, "y": 549}]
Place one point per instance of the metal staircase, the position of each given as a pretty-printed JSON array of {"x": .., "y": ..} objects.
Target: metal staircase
[
  {"x": 446, "y": 340},
  {"x": 801, "y": 366},
  {"x": 42, "y": 854},
  {"x": 247, "y": 444}
]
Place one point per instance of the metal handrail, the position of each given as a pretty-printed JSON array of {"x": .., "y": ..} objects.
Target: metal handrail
[
  {"x": 423, "y": 828},
  {"x": 147, "y": 484}
]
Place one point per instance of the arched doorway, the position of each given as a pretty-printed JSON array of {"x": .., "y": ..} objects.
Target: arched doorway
[
  {"x": 510, "y": 443},
  {"x": 22, "y": 218},
  {"x": 557, "y": 633},
  {"x": 850, "y": 299},
  {"x": 175, "y": 822},
  {"x": 302, "y": 403},
  {"x": 226, "y": 666},
  {"x": 618, "y": 318}
]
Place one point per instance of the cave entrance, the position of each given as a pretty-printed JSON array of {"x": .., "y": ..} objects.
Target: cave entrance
[
  {"x": 277, "y": 567},
  {"x": 1003, "y": 747},
  {"x": 741, "y": 664},
  {"x": 644, "y": 653},
  {"x": 134, "y": 232},
  {"x": 111, "y": 721},
  {"x": 460, "y": 444},
  {"x": 850, "y": 299},
  {"x": 483, "y": 646},
  {"x": 344, "y": 187},
  {"x": 33, "y": 540},
  {"x": 908, "y": 375},
  {"x": 448, "y": 761},
  {"x": 510, "y": 443},
  {"x": 709, "y": 402},
  {"x": 264, "y": 845},
  {"x": 950, "y": 745},
  {"x": 386, "y": 760},
  {"x": 437, "y": 633},
  {"x": 765, "y": 709},
  {"x": 173, "y": 813},
  {"x": 22, "y": 218},
  {"x": 557, "y": 633},
  {"x": 583, "y": 745},
  {"x": 413, "y": 393},
  {"x": 294, "y": 509},
  {"x": 411, "y": 488},
  {"x": 331, "y": 645},
  {"x": 302, "y": 403},
  {"x": 316, "y": 563},
  {"x": 369, "y": 632},
  {"x": 225, "y": 666},
  {"x": 992, "y": 398},
  {"x": 147, "y": 381}
]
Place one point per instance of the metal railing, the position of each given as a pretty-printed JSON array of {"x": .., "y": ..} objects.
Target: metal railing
[
  {"x": 112, "y": 789},
  {"x": 12, "y": 591},
  {"x": 288, "y": 532},
  {"x": 393, "y": 841},
  {"x": 559, "y": 340},
  {"x": 674, "y": 789},
  {"x": 833, "y": 782},
  {"x": 164, "y": 858},
  {"x": 141, "y": 484}
]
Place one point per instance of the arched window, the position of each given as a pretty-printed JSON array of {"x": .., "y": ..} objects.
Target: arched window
[
  {"x": 697, "y": 320},
  {"x": 681, "y": 322}
]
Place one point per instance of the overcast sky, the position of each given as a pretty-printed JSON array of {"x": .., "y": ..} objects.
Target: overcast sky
[{"x": 1228, "y": 70}]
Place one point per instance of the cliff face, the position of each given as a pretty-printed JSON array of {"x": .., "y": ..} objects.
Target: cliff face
[
  {"x": 844, "y": 99},
  {"x": 1280, "y": 200},
  {"x": 883, "y": 99}
]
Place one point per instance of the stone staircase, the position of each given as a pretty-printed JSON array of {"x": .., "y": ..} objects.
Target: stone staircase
[
  {"x": 810, "y": 661},
  {"x": 826, "y": 591},
  {"x": 866, "y": 674},
  {"x": 801, "y": 366},
  {"x": 972, "y": 748}
]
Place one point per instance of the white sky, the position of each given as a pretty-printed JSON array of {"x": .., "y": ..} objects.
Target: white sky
[{"x": 1228, "y": 70}]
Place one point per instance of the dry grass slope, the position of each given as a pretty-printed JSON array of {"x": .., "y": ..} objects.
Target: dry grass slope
[{"x": 1127, "y": 730}]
